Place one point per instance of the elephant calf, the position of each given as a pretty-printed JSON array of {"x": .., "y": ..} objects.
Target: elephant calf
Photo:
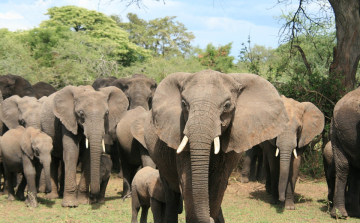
[
  {"x": 22, "y": 151},
  {"x": 105, "y": 173},
  {"x": 147, "y": 191}
]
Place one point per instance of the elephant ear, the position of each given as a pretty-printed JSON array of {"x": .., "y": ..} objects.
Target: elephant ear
[
  {"x": 26, "y": 139},
  {"x": 64, "y": 107},
  {"x": 166, "y": 109},
  {"x": 121, "y": 83},
  {"x": 260, "y": 114},
  {"x": 155, "y": 187},
  {"x": 9, "y": 112},
  {"x": 137, "y": 126},
  {"x": 313, "y": 122},
  {"x": 118, "y": 104}
]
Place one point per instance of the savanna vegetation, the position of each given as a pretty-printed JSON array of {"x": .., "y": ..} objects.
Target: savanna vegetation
[{"x": 76, "y": 46}]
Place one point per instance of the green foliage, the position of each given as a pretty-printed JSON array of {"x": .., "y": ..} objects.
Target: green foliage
[
  {"x": 101, "y": 28},
  {"x": 216, "y": 58},
  {"x": 163, "y": 36},
  {"x": 312, "y": 162}
]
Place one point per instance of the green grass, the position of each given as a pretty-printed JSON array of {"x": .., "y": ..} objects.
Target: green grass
[{"x": 242, "y": 203}]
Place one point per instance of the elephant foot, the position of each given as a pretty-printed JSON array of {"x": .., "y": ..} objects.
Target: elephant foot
[
  {"x": 41, "y": 189},
  {"x": 31, "y": 201},
  {"x": 70, "y": 201},
  {"x": 274, "y": 201},
  {"x": 338, "y": 213},
  {"x": 83, "y": 198},
  {"x": 289, "y": 205},
  {"x": 20, "y": 195},
  {"x": 52, "y": 195},
  {"x": 353, "y": 211},
  {"x": 244, "y": 179},
  {"x": 101, "y": 200},
  {"x": 11, "y": 197}
]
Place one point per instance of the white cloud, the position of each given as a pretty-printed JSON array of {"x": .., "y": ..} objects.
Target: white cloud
[{"x": 11, "y": 16}]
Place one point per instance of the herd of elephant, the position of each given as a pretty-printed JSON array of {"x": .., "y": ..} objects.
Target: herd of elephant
[{"x": 177, "y": 142}]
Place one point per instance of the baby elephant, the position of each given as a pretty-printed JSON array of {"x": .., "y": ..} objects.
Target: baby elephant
[
  {"x": 105, "y": 173},
  {"x": 147, "y": 191},
  {"x": 22, "y": 151}
]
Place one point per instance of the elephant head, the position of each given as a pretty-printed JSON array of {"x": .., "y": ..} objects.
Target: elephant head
[
  {"x": 305, "y": 122},
  {"x": 15, "y": 85},
  {"x": 211, "y": 112},
  {"x": 23, "y": 111},
  {"x": 139, "y": 90},
  {"x": 96, "y": 112},
  {"x": 35, "y": 143}
]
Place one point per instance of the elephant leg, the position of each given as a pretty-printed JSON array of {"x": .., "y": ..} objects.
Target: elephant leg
[
  {"x": 246, "y": 167},
  {"x": 101, "y": 196},
  {"x": 272, "y": 178},
  {"x": 353, "y": 193},
  {"x": 260, "y": 170},
  {"x": 10, "y": 187},
  {"x": 61, "y": 178},
  {"x": 128, "y": 175},
  {"x": 70, "y": 156},
  {"x": 21, "y": 188},
  {"x": 172, "y": 203},
  {"x": 294, "y": 170},
  {"x": 342, "y": 172},
  {"x": 83, "y": 188},
  {"x": 329, "y": 170},
  {"x": 40, "y": 180},
  {"x": 2, "y": 177},
  {"x": 144, "y": 214},
  {"x": 267, "y": 174},
  {"x": 220, "y": 218},
  {"x": 29, "y": 176},
  {"x": 145, "y": 158},
  {"x": 115, "y": 157},
  {"x": 135, "y": 206},
  {"x": 156, "y": 209},
  {"x": 54, "y": 166}
]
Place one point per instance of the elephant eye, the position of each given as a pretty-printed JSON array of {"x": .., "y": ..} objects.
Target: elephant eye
[
  {"x": 22, "y": 122},
  {"x": 106, "y": 113},
  {"x": 81, "y": 114},
  {"x": 227, "y": 105},
  {"x": 184, "y": 104}
]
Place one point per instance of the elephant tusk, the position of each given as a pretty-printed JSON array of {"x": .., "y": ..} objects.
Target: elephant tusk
[
  {"x": 277, "y": 152},
  {"x": 217, "y": 145},
  {"x": 295, "y": 154},
  {"x": 182, "y": 145},
  {"x": 87, "y": 143},
  {"x": 103, "y": 145}
]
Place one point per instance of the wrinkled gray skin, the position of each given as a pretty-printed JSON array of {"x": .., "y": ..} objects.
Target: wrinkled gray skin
[
  {"x": 22, "y": 156},
  {"x": 133, "y": 153},
  {"x": 329, "y": 168},
  {"x": 43, "y": 89},
  {"x": 147, "y": 192},
  {"x": 252, "y": 166},
  {"x": 306, "y": 121},
  {"x": 242, "y": 109},
  {"x": 346, "y": 149},
  {"x": 70, "y": 115}
]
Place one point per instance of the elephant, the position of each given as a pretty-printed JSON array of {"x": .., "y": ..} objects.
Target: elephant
[
  {"x": 329, "y": 169},
  {"x": 133, "y": 152},
  {"x": 252, "y": 166},
  {"x": 43, "y": 89},
  {"x": 15, "y": 85},
  {"x": 147, "y": 192},
  {"x": 1, "y": 173},
  {"x": 22, "y": 156},
  {"x": 346, "y": 150},
  {"x": 71, "y": 115},
  {"x": 105, "y": 174},
  {"x": 306, "y": 121},
  {"x": 102, "y": 82},
  {"x": 197, "y": 128}
]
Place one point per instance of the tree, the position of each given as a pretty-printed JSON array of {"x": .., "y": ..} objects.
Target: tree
[
  {"x": 346, "y": 54},
  {"x": 216, "y": 58},
  {"x": 100, "y": 28},
  {"x": 163, "y": 36}
]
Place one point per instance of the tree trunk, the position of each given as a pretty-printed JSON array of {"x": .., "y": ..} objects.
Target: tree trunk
[{"x": 346, "y": 58}]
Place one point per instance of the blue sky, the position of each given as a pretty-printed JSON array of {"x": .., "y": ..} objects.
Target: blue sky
[{"x": 211, "y": 21}]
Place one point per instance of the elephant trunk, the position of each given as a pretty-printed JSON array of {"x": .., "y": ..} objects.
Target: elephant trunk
[
  {"x": 95, "y": 156},
  {"x": 46, "y": 167}
]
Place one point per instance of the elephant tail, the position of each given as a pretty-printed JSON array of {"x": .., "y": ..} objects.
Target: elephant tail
[{"x": 127, "y": 196}]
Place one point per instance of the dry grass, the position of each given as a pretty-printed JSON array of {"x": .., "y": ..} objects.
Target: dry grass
[{"x": 242, "y": 203}]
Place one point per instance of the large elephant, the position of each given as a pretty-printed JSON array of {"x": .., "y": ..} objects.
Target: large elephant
[
  {"x": 102, "y": 82},
  {"x": 306, "y": 121},
  {"x": 43, "y": 89},
  {"x": 32, "y": 149},
  {"x": 15, "y": 85},
  {"x": 133, "y": 153},
  {"x": 252, "y": 165},
  {"x": 198, "y": 125},
  {"x": 70, "y": 115},
  {"x": 346, "y": 150}
]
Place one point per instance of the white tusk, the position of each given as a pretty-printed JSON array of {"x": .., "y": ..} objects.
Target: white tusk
[
  {"x": 217, "y": 145},
  {"x": 87, "y": 143},
  {"x": 182, "y": 145},
  {"x": 103, "y": 145},
  {"x": 277, "y": 152},
  {"x": 295, "y": 154}
]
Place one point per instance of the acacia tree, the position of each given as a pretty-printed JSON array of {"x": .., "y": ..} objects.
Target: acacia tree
[{"x": 346, "y": 54}]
